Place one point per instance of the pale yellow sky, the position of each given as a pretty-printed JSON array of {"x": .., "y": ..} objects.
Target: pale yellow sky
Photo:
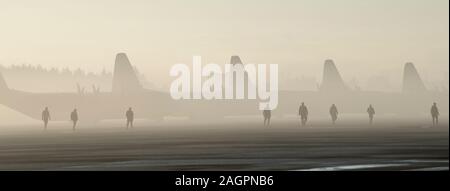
[{"x": 364, "y": 37}]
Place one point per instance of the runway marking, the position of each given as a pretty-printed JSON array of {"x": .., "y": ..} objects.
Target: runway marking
[
  {"x": 352, "y": 167},
  {"x": 424, "y": 161},
  {"x": 439, "y": 168}
]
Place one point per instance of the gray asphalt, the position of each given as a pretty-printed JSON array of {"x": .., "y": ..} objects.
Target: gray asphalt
[{"x": 232, "y": 146}]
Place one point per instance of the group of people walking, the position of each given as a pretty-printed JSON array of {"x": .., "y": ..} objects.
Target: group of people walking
[
  {"x": 303, "y": 113},
  {"x": 267, "y": 114},
  {"x": 46, "y": 117},
  {"x": 129, "y": 114}
]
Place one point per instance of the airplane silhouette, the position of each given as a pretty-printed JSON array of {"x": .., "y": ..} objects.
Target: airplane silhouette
[{"x": 151, "y": 104}]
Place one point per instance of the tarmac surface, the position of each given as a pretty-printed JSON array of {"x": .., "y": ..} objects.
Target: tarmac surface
[{"x": 231, "y": 146}]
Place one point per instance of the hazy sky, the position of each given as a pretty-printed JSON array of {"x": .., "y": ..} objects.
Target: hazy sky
[{"x": 364, "y": 37}]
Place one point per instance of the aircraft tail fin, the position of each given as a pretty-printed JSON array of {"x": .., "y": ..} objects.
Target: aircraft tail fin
[
  {"x": 125, "y": 79},
  {"x": 235, "y": 60},
  {"x": 411, "y": 79},
  {"x": 332, "y": 80}
]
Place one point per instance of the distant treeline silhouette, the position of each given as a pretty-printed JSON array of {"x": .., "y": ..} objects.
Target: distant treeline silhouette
[
  {"x": 39, "y": 79},
  {"x": 39, "y": 70}
]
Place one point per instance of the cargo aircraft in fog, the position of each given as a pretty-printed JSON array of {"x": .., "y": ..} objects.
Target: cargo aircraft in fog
[{"x": 128, "y": 92}]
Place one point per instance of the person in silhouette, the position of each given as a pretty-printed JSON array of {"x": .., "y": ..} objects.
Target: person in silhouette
[
  {"x": 130, "y": 117},
  {"x": 435, "y": 114},
  {"x": 371, "y": 112},
  {"x": 74, "y": 118},
  {"x": 333, "y": 113},
  {"x": 303, "y": 112},
  {"x": 45, "y": 117},
  {"x": 267, "y": 113}
]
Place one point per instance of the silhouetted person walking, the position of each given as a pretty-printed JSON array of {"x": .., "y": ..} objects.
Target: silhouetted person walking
[
  {"x": 334, "y": 113},
  {"x": 303, "y": 112},
  {"x": 267, "y": 113},
  {"x": 371, "y": 112},
  {"x": 435, "y": 114},
  {"x": 130, "y": 117},
  {"x": 45, "y": 117},
  {"x": 74, "y": 118}
]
